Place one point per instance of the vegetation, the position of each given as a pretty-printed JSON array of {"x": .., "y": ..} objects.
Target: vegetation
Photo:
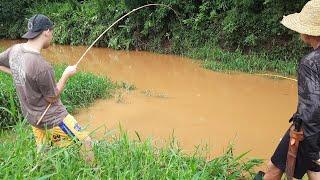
[
  {"x": 219, "y": 60},
  {"x": 242, "y": 35},
  {"x": 80, "y": 91},
  {"x": 119, "y": 158},
  {"x": 250, "y": 29},
  {"x": 84, "y": 88}
]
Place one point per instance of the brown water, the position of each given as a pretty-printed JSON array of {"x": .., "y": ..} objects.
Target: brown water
[{"x": 200, "y": 106}]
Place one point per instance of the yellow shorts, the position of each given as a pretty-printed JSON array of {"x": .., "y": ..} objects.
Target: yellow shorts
[{"x": 62, "y": 135}]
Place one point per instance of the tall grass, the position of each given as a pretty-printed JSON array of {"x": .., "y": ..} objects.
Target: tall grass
[
  {"x": 84, "y": 88},
  {"x": 219, "y": 60},
  {"x": 119, "y": 158},
  {"x": 9, "y": 102}
]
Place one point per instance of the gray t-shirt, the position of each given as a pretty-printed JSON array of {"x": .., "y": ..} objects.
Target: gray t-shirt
[{"x": 34, "y": 81}]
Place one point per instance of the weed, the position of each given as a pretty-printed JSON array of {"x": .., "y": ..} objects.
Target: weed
[{"x": 150, "y": 93}]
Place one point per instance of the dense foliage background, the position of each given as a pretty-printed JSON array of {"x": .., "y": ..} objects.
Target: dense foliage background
[{"x": 245, "y": 26}]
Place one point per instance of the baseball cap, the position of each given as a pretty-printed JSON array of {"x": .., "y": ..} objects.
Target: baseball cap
[{"x": 36, "y": 25}]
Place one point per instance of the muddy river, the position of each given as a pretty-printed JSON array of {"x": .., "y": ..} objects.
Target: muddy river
[{"x": 176, "y": 96}]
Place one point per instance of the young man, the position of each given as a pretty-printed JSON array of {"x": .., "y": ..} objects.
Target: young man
[
  {"x": 307, "y": 23},
  {"x": 36, "y": 89}
]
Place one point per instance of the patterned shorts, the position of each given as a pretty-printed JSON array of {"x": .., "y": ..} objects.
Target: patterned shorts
[{"x": 62, "y": 135}]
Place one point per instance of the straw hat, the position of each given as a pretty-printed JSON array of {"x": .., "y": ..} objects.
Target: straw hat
[{"x": 307, "y": 21}]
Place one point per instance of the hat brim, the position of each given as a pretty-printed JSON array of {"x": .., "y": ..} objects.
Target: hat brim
[
  {"x": 294, "y": 23},
  {"x": 30, "y": 35}
]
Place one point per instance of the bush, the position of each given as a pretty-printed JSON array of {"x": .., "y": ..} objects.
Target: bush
[
  {"x": 248, "y": 26},
  {"x": 12, "y": 17}
]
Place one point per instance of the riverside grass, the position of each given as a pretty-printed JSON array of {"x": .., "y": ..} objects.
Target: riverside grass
[
  {"x": 80, "y": 91},
  {"x": 117, "y": 158},
  {"x": 217, "y": 59}
]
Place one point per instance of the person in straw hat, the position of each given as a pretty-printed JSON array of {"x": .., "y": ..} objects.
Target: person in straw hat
[{"x": 307, "y": 116}]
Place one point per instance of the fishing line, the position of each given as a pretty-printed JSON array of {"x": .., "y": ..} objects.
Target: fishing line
[
  {"x": 277, "y": 76},
  {"x": 88, "y": 49}
]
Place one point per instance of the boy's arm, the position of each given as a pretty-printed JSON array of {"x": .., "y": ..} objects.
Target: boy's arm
[
  {"x": 4, "y": 61},
  {"x": 5, "y": 69},
  {"x": 49, "y": 89},
  {"x": 69, "y": 72}
]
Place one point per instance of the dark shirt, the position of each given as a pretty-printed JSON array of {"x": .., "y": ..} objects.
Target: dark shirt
[
  {"x": 309, "y": 101},
  {"x": 309, "y": 93}
]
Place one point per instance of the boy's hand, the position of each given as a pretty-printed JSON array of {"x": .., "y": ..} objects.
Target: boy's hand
[{"x": 70, "y": 71}]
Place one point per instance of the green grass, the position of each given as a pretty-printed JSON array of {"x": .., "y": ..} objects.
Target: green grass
[
  {"x": 9, "y": 103},
  {"x": 84, "y": 88},
  {"x": 219, "y": 60},
  {"x": 118, "y": 158},
  {"x": 80, "y": 91}
]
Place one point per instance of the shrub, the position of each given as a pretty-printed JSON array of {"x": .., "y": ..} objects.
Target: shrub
[{"x": 249, "y": 26}]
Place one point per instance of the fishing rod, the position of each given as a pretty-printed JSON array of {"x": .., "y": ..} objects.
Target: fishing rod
[
  {"x": 113, "y": 24},
  {"x": 120, "y": 20}
]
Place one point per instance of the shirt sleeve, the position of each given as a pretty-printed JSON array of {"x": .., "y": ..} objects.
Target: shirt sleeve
[
  {"x": 4, "y": 58},
  {"x": 47, "y": 84},
  {"x": 308, "y": 109}
]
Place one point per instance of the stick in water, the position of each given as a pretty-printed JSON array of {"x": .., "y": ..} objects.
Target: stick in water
[{"x": 44, "y": 113}]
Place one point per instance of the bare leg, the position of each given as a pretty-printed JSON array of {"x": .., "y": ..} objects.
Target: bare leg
[
  {"x": 87, "y": 150},
  {"x": 313, "y": 175},
  {"x": 42, "y": 148},
  {"x": 41, "y": 137},
  {"x": 273, "y": 173}
]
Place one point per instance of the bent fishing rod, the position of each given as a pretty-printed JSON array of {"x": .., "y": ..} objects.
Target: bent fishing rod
[{"x": 113, "y": 24}]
